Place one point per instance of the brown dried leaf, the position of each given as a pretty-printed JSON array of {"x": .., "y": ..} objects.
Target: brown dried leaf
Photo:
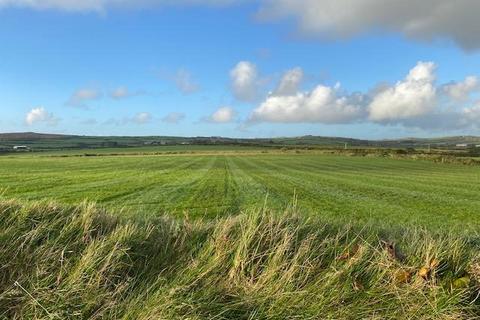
[
  {"x": 434, "y": 263},
  {"x": 424, "y": 272},
  {"x": 349, "y": 252},
  {"x": 402, "y": 276}
]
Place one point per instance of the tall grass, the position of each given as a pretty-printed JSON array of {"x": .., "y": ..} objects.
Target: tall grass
[{"x": 80, "y": 262}]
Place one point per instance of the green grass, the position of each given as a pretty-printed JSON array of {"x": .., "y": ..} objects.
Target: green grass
[
  {"x": 390, "y": 192},
  {"x": 222, "y": 233},
  {"x": 138, "y": 150},
  {"x": 79, "y": 262}
]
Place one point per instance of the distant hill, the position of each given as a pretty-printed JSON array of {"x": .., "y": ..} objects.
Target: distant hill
[
  {"x": 30, "y": 136},
  {"x": 42, "y": 141},
  {"x": 387, "y": 143}
]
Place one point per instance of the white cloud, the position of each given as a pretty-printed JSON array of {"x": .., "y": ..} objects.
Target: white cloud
[
  {"x": 124, "y": 92},
  {"x": 290, "y": 82},
  {"x": 412, "y": 97},
  {"x": 120, "y": 93},
  {"x": 472, "y": 114},
  {"x": 412, "y": 102},
  {"x": 174, "y": 117},
  {"x": 424, "y": 20},
  {"x": 40, "y": 115},
  {"x": 461, "y": 90},
  {"x": 184, "y": 82},
  {"x": 222, "y": 115},
  {"x": 81, "y": 97},
  {"x": 142, "y": 118},
  {"x": 103, "y": 5},
  {"x": 322, "y": 105},
  {"x": 245, "y": 81}
]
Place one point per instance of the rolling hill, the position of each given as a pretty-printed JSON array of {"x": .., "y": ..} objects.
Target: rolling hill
[{"x": 42, "y": 141}]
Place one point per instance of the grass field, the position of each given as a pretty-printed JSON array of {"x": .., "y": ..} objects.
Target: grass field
[
  {"x": 237, "y": 233},
  {"x": 389, "y": 192},
  {"x": 79, "y": 262}
]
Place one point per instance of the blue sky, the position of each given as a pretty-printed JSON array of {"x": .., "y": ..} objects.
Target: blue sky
[{"x": 238, "y": 68}]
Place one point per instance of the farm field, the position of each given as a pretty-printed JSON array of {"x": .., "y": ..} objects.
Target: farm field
[
  {"x": 382, "y": 191},
  {"x": 140, "y": 150}
]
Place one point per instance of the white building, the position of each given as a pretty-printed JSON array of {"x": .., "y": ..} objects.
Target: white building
[{"x": 21, "y": 148}]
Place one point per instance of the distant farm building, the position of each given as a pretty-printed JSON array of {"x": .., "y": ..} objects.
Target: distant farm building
[
  {"x": 21, "y": 148},
  {"x": 467, "y": 145},
  {"x": 155, "y": 143}
]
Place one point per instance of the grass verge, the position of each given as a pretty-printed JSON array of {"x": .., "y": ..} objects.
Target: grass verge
[{"x": 80, "y": 262}]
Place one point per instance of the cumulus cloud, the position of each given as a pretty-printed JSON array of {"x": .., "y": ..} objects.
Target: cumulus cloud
[
  {"x": 222, "y": 115},
  {"x": 245, "y": 81},
  {"x": 412, "y": 97},
  {"x": 123, "y": 92},
  {"x": 184, "y": 81},
  {"x": 139, "y": 118},
  {"x": 103, "y": 5},
  {"x": 424, "y": 20},
  {"x": 461, "y": 90},
  {"x": 120, "y": 93},
  {"x": 290, "y": 82},
  {"x": 142, "y": 118},
  {"x": 174, "y": 117},
  {"x": 40, "y": 115},
  {"x": 472, "y": 114},
  {"x": 415, "y": 102},
  {"x": 323, "y": 105},
  {"x": 81, "y": 97}
]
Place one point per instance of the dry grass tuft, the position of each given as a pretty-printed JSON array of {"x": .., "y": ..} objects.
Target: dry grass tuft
[{"x": 80, "y": 262}]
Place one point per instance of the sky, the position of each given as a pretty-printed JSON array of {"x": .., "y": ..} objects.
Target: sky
[{"x": 370, "y": 69}]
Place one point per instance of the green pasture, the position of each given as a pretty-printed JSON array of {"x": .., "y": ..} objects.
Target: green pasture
[{"x": 388, "y": 192}]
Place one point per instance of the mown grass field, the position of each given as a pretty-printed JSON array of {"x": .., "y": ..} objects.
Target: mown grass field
[
  {"x": 383, "y": 191},
  {"x": 235, "y": 233}
]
